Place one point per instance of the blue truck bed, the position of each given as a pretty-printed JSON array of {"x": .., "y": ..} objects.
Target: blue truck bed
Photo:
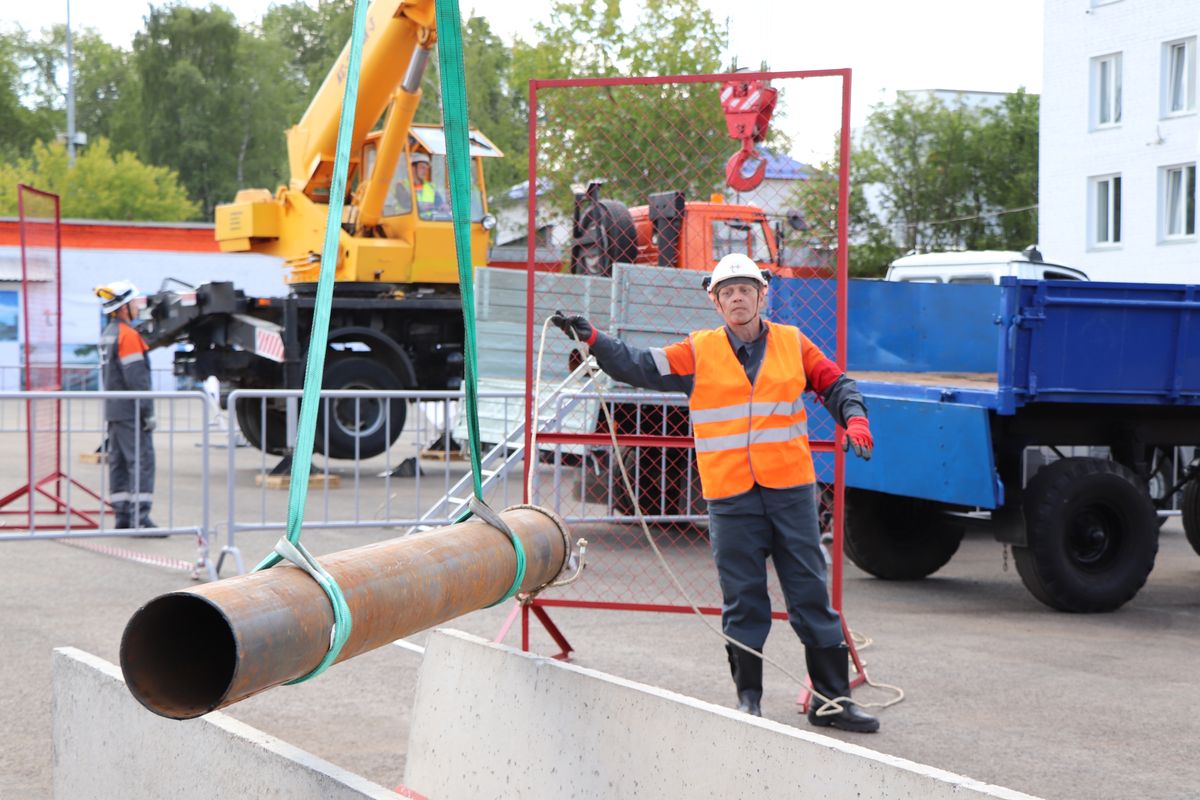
[{"x": 941, "y": 365}]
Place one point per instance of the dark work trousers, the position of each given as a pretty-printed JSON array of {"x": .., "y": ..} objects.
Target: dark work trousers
[
  {"x": 130, "y": 473},
  {"x": 782, "y": 524}
]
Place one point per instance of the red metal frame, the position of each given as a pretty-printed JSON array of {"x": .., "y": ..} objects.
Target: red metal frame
[
  {"x": 36, "y": 485},
  {"x": 538, "y": 605},
  {"x": 523, "y": 607}
]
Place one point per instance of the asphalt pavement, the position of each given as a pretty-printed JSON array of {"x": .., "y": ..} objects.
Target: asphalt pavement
[{"x": 997, "y": 687}]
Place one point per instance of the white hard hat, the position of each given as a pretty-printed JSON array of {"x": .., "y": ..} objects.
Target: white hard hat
[
  {"x": 116, "y": 294},
  {"x": 420, "y": 158},
  {"x": 735, "y": 265}
]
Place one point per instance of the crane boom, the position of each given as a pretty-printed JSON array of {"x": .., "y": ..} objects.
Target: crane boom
[
  {"x": 395, "y": 30},
  {"x": 392, "y": 236}
]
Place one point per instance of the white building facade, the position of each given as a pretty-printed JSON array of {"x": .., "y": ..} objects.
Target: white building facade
[{"x": 1120, "y": 139}]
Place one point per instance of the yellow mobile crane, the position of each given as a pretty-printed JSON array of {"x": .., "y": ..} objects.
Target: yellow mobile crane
[
  {"x": 386, "y": 238},
  {"x": 396, "y": 320}
]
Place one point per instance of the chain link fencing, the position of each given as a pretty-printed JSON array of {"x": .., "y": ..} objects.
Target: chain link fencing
[{"x": 642, "y": 185}]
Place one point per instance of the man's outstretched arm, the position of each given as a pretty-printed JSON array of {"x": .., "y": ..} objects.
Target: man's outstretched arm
[{"x": 661, "y": 369}]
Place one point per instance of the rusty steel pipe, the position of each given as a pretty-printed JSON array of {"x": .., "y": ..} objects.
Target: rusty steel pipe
[{"x": 190, "y": 652}]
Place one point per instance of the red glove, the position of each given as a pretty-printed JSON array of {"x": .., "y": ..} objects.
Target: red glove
[{"x": 858, "y": 436}]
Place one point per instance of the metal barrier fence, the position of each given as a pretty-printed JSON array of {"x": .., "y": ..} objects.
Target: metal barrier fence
[
  {"x": 87, "y": 378},
  {"x": 89, "y": 417},
  {"x": 382, "y": 459},
  {"x": 77, "y": 501},
  {"x": 415, "y": 478}
]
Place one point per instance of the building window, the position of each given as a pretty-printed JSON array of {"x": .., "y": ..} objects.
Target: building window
[
  {"x": 1106, "y": 210},
  {"x": 1179, "y": 77},
  {"x": 1106, "y": 91},
  {"x": 1178, "y": 209}
]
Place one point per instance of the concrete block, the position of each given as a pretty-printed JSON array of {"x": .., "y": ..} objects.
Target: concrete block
[
  {"x": 492, "y": 722},
  {"x": 106, "y": 745}
]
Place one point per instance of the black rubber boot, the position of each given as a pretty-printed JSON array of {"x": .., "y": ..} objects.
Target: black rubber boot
[
  {"x": 141, "y": 519},
  {"x": 829, "y": 671},
  {"x": 121, "y": 510},
  {"x": 747, "y": 677}
]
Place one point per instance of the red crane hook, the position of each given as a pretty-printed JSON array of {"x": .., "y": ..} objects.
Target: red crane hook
[{"x": 748, "y": 107}]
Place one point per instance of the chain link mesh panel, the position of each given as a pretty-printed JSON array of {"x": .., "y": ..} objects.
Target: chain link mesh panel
[
  {"x": 642, "y": 186},
  {"x": 41, "y": 293}
]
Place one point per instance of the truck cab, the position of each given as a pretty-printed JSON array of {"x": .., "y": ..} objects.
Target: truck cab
[{"x": 670, "y": 231}]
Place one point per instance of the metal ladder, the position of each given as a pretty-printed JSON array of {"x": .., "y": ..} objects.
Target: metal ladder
[{"x": 505, "y": 455}]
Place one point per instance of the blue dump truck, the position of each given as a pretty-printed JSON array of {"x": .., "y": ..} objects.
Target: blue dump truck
[{"x": 1061, "y": 415}]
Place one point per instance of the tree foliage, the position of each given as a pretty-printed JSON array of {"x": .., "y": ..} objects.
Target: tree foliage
[
  {"x": 212, "y": 100},
  {"x": 639, "y": 139},
  {"x": 25, "y": 116},
  {"x": 208, "y": 102},
  {"x": 186, "y": 62},
  {"x": 497, "y": 106},
  {"x": 107, "y": 90},
  {"x": 925, "y": 177},
  {"x": 101, "y": 185},
  {"x": 949, "y": 177},
  {"x": 311, "y": 38}
]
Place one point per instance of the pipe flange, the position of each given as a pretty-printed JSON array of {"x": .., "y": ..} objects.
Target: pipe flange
[{"x": 562, "y": 529}]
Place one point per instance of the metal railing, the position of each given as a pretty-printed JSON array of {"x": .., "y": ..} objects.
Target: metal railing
[
  {"x": 89, "y": 417},
  {"x": 384, "y": 460},
  {"x": 50, "y": 493},
  {"x": 402, "y": 461}
]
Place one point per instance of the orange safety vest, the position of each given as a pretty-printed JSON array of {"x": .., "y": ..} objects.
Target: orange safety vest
[{"x": 750, "y": 434}]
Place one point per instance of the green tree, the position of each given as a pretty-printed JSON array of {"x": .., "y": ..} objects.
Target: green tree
[
  {"x": 266, "y": 100},
  {"x": 945, "y": 177},
  {"x": 24, "y": 116},
  {"x": 496, "y": 107},
  {"x": 105, "y": 86},
  {"x": 872, "y": 244},
  {"x": 1009, "y": 149},
  {"x": 311, "y": 38},
  {"x": 100, "y": 185},
  {"x": 107, "y": 91},
  {"x": 192, "y": 96},
  {"x": 639, "y": 139}
]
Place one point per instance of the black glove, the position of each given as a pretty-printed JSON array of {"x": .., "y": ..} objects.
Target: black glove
[{"x": 575, "y": 327}]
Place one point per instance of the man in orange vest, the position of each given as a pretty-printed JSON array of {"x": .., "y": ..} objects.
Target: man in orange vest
[
  {"x": 126, "y": 367},
  {"x": 745, "y": 383}
]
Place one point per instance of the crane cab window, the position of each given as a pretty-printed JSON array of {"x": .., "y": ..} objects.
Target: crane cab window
[
  {"x": 428, "y": 184},
  {"x": 740, "y": 236}
]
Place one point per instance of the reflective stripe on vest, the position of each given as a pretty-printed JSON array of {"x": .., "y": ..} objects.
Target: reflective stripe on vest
[{"x": 750, "y": 434}]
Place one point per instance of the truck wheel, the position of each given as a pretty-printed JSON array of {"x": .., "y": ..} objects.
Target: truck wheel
[
  {"x": 898, "y": 538},
  {"x": 1191, "y": 513},
  {"x": 1092, "y": 533},
  {"x": 359, "y": 427},
  {"x": 607, "y": 234},
  {"x": 250, "y": 417}
]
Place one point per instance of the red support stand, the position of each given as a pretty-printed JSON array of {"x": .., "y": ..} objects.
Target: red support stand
[
  {"x": 523, "y": 607},
  {"x": 40, "y": 228},
  {"x": 89, "y": 518}
]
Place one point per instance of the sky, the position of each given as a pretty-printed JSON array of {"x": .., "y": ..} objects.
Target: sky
[{"x": 965, "y": 45}]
